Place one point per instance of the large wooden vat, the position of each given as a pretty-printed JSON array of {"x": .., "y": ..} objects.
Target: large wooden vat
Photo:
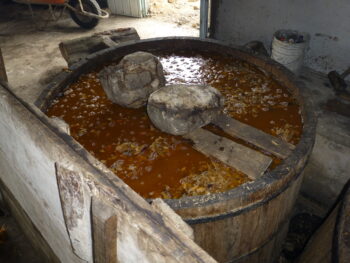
[{"x": 245, "y": 224}]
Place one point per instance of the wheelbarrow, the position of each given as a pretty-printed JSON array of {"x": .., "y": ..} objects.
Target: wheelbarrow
[{"x": 85, "y": 13}]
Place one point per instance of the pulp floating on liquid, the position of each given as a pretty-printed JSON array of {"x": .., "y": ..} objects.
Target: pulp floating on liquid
[{"x": 156, "y": 164}]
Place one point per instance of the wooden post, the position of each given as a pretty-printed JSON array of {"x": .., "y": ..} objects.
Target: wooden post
[
  {"x": 104, "y": 227},
  {"x": 3, "y": 75}
]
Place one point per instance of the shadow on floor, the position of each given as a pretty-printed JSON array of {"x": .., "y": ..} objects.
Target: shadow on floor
[{"x": 14, "y": 246}]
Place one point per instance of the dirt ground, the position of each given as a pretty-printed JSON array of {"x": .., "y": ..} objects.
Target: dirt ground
[{"x": 180, "y": 12}]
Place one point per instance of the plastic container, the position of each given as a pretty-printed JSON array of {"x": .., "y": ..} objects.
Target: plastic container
[{"x": 289, "y": 47}]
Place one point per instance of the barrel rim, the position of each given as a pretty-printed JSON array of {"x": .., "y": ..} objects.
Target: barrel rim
[{"x": 290, "y": 168}]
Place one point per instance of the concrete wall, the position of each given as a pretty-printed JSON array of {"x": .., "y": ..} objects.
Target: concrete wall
[
  {"x": 327, "y": 21},
  {"x": 329, "y": 166}
]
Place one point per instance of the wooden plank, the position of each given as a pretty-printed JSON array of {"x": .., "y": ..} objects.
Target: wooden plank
[
  {"x": 104, "y": 231},
  {"x": 60, "y": 124},
  {"x": 108, "y": 41},
  {"x": 121, "y": 34},
  {"x": 3, "y": 75},
  {"x": 242, "y": 158},
  {"x": 75, "y": 49},
  {"x": 267, "y": 142},
  {"x": 173, "y": 219}
]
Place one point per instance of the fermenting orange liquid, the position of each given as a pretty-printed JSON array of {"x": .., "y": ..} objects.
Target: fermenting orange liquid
[{"x": 156, "y": 164}]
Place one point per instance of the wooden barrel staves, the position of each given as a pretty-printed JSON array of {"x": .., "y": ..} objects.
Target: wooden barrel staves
[
  {"x": 331, "y": 242},
  {"x": 249, "y": 222}
]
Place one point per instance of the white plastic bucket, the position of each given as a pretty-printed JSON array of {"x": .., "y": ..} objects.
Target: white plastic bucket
[{"x": 291, "y": 55}]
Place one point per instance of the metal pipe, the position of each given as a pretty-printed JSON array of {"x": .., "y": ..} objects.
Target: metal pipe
[{"x": 204, "y": 16}]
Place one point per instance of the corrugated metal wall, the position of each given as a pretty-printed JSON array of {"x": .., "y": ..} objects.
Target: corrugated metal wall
[{"x": 134, "y": 8}]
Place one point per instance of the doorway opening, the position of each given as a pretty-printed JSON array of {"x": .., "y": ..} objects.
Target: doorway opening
[{"x": 182, "y": 13}]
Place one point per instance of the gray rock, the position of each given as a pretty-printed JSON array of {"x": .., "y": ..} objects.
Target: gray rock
[
  {"x": 130, "y": 83},
  {"x": 180, "y": 109}
]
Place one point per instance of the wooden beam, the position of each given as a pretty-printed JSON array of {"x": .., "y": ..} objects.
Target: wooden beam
[
  {"x": 240, "y": 157},
  {"x": 3, "y": 75},
  {"x": 267, "y": 142},
  {"x": 104, "y": 232},
  {"x": 75, "y": 49},
  {"x": 108, "y": 41},
  {"x": 173, "y": 220}
]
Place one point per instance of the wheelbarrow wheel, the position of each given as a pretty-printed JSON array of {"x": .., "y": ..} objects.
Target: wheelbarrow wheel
[{"x": 84, "y": 21}]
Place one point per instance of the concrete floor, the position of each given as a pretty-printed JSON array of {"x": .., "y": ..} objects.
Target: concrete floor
[
  {"x": 329, "y": 166},
  {"x": 15, "y": 247},
  {"x": 32, "y": 56},
  {"x": 32, "y": 59}
]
